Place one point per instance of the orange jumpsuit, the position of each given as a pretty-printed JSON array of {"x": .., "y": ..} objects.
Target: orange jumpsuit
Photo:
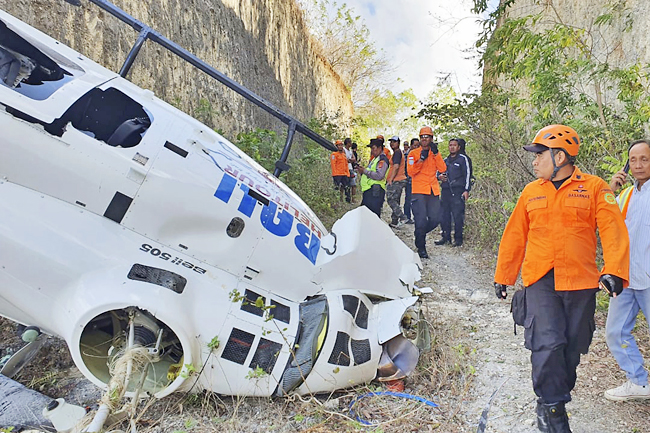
[
  {"x": 425, "y": 190},
  {"x": 339, "y": 164},
  {"x": 553, "y": 232},
  {"x": 423, "y": 173},
  {"x": 556, "y": 229}
]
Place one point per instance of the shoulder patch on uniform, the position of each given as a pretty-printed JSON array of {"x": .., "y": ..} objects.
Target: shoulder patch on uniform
[
  {"x": 380, "y": 164},
  {"x": 609, "y": 198}
]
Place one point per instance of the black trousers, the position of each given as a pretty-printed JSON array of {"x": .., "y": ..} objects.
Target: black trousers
[
  {"x": 452, "y": 205},
  {"x": 559, "y": 328},
  {"x": 426, "y": 213},
  {"x": 343, "y": 182},
  {"x": 407, "y": 199},
  {"x": 373, "y": 199}
]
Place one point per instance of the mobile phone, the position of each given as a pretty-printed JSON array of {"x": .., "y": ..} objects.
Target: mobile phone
[
  {"x": 627, "y": 166},
  {"x": 604, "y": 288}
]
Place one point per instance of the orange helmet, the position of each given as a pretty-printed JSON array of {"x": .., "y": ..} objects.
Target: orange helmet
[
  {"x": 381, "y": 137},
  {"x": 337, "y": 142},
  {"x": 426, "y": 130},
  {"x": 556, "y": 137}
]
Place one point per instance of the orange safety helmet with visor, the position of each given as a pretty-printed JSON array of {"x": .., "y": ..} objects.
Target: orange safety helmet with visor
[
  {"x": 555, "y": 138},
  {"x": 426, "y": 130}
]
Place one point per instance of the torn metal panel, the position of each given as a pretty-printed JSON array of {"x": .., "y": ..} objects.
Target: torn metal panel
[
  {"x": 390, "y": 315},
  {"x": 368, "y": 257}
]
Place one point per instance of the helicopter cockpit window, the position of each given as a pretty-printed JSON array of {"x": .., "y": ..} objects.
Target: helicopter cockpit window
[
  {"x": 35, "y": 73},
  {"x": 107, "y": 115}
]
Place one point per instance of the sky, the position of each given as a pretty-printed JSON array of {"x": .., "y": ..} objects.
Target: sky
[{"x": 427, "y": 40}]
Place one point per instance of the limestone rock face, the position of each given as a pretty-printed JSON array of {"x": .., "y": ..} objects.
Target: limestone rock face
[
  {"x": 620, "y": 43},
  {"x": 262, "y": 44},
  {"x": 623, "y": 42}
]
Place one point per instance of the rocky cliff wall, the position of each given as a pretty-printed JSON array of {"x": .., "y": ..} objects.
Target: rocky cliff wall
[
  {"x": 623, "y": 41},
  {"x": 620, "y": 41},
  {"x": 262, "y": 44}
]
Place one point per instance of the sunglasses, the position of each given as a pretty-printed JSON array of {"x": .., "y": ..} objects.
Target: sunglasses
[{"x": 426, "y": 136}]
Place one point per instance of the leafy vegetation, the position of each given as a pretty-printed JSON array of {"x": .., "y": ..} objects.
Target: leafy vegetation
[
  {"x": 542, "y": 69},
  {"x": 310, "y": 174},
  {"x": 346, "y": 44},
  {"x": 389, "y": 112}
]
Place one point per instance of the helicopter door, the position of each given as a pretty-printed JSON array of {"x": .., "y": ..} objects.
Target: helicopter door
[
  {"x": 190, "y": 204},
  {"x": 95, "y": 155}
]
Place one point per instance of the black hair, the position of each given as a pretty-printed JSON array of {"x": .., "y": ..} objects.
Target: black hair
[
  {"x": 413, "y": 140},
  {"x": 461, "y": 144},
  {"x": 635, "y": 142},
  {"x": 347, "y": 140},
  {"x": 354, "y": 145}
]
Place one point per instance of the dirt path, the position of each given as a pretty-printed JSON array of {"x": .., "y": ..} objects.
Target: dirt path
[{"x": 463, "y": 294}]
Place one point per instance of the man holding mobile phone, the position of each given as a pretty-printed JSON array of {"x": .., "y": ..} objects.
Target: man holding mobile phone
[
  {"x": 423, "y": 164},
  {"x": 634, "y": 202}
]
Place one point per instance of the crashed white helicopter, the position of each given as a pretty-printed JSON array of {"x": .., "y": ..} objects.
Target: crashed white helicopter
[{"x": 124, "y": 222}]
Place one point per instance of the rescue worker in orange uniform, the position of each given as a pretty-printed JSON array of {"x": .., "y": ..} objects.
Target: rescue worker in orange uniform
[
  {"x": 340, "y": 171},
  {"x": 552, "y": 231},
  {"x": 423, "y": 165}
]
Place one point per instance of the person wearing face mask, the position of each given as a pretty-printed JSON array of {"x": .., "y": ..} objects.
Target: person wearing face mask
[
  {"x": 634, "y": 203},
  {"x": 551, "y": 237},
  {"x": 423, "y": 165}
]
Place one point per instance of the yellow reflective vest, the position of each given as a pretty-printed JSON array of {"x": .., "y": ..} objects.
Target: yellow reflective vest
[{"x": 366, "y": 182}]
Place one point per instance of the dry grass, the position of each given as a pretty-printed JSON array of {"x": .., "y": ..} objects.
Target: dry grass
[
  {"x": 599, "y": 371},
  {"x": 443, "y": 375}
]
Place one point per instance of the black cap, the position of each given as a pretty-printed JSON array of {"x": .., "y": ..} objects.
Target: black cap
[
  {"x": 537, "y": 148},
  {"x": 376, "y": 142}
]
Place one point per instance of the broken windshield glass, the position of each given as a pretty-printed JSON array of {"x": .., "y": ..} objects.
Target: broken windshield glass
[{"x": 27, "y": 69}]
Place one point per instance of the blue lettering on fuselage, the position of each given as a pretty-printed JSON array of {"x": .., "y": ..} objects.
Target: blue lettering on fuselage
[
  {"x": 285, "y": 220},
  {"x": 276, "y": 223},
  {"x": 247, "y": 204}
]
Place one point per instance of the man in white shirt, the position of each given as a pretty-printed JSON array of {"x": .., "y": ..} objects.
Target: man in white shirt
[
  {"x": 347, "y": 143},
  {"x": 634, "y": 202}
]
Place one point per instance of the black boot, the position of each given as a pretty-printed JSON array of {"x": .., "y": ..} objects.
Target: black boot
[
  {"x": 445, "y": 239},
  {"x": 558, "y": 420},
  {"x": 542, "y": 419},
  {"x": 423, "y": 253}
]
